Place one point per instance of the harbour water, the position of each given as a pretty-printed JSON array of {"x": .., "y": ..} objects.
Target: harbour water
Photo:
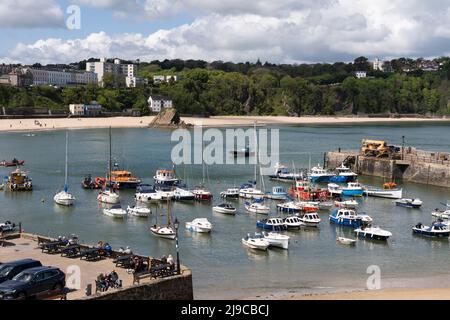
[{"x": 221, "y": 266}]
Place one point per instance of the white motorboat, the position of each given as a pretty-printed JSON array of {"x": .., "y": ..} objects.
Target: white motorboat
[
  {"x": 325, "y": 205},
  {"x": 166, "y": 232},
  {"x": 346, "y": 241},
  {"x": 293, "y": 222},
  {"x": 63, "y": 197},
  {"x": 256, "y": 243},
  {"x": 257, "y": 207},
  {"x": 146, "y": 193},
  {"x": 115, "y": 212},
  {"x": 202, "y": 194},
  {"x": 181, "y": 194},
  {"x": 201, "y": 225},
  {"x": 350, "y": 204},
  {"x": 137, "y": 211},
  {"x": 275, "y": 239},
  {"x": 334, "y": 190},
  {"x": 225, "y": 208},
  {"x": 165, "y": 194},
  {"x": 409, "y": 203},
  {"x": 389, "y": 191},
  {"x": 310, "y": 219},
  {"x": 374, "y": 233},
  {"x": 108, "y": 196},
  {"x": 166, "y": 178},
  {"x": 437, "y": 230},
  {"x": 230, "y": 193},
  {"x": 282, "y": 173},
  {"x": 441, "y": 214},
  {"x": 345, "y": 174},
  {"x": 319, "y": 174},
  {"x": 251, "y": 193}
]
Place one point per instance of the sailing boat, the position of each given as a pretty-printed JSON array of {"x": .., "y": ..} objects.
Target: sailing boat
[
  {"x": 108, "y": 195},
  {"x": 249, "y": 190},
  {"x": 64, "y": 198},
  {"x": 166, "y": 232},
  {"x": 200, "y": 191}
]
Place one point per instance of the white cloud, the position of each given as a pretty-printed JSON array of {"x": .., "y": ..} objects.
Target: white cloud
[
  {"x": 310, "y": 31},
  {"x": 30, "y": 14}
]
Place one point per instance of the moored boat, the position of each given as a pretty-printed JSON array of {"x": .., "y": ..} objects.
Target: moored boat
[
  {"x": 278, "y": 193},
  {"x": 166, "y": 232},
  {"x": 409, "y": 203},
  {"x": 334, "y": 190},
  {"x": 13, "y": 163},
  {"x": 19, "y": 180},
  {"x": 201, "y": 225},
  {"x": 230, "y": 193},
  {"x": 115, "y": 211},
  {"x": 349, "y": 218},
  {"x": 108, "y": 195},
  {"x": 224, "y": 208},
  {"x": 353, "y": 189},
  {"x": 346, "y": 241},
  {"x": 202, "y": 194},
  {"x": 146, "y": 193},
  {"x": 293, "y": 222},
  {"x": 319, "y": 174},
  {"x": 275, "y": 239},
  {"x": 89, "y": 183},
  {"x": 389, "y": 191},
  {"x": 138, "y": 211},
  {"x": 282, "y": 173},
  {"x": 64, "y": 198},
  {"x": 257, "y": 207},
  {"x": 310, "y": 219},
  {"x": 124, "y": 179},
  {"x": 441, "y": 214},
  {"x": 289, "y": 207},
  {"x": 249, "y": 191},
  {"x": 166, "y": 178},
  {"x": 257, "y": 243},
  {"x": 343, "y": 175},
  {"x": 349, "y": 204},
  {"x": 181, "y": 194},
  {"x": 273, "y": 224},
  {"x": 372, "y": 233},
  {"x": 436, "y": 230}
]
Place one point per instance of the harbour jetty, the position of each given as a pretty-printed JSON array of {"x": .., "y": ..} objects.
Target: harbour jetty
[
  {"x": 145, "y": 286},
  {"x": 376, "y": 158}
]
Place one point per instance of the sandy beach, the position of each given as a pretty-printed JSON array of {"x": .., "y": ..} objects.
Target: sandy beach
[{"x": 220, "y": 121}]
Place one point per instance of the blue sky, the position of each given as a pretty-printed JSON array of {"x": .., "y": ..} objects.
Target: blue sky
[{"x": 282, "y": 31}]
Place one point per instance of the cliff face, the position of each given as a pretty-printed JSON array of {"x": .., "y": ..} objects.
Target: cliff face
[{"x": 167, "y": 118}]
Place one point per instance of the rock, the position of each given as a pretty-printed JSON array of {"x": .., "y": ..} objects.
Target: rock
[{"x": 168, "y": 118}]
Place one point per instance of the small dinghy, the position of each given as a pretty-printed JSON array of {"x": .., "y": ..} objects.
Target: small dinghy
[
  {"x": 142, "y": 212},
  {"x": 441, "y": 214},
  {"x": 346, "y": 241},
  {"x": 310, "y": 219},
  {"x": 409, "y": 203},
  {"x": 436, "y": 230},
  {"x": 225, "y": 208},
  {"x": 257, "y": 207},
  {"x": 293, "y": 222},
  {"x": 256, "y": 243},
  {"x": 275, "y": 239},
  {"x": 350, "y": 204},
  {"x": 373, "y": 233},
  {"x": 115, "y": 211},
  {"x": 201, "y": 225}
]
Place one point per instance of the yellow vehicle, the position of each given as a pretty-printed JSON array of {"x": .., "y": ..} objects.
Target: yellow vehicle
[
  {"x": 375, "y": 148},
  {"x": 18, "y": 180}
]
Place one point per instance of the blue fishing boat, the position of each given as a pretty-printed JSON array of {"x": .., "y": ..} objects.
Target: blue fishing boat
[
  {"x": 273, "y": 224},
  {"x": 278, "y": 193},
  {"x": 343, "y": 175},
  {"x": 282, "y": 173},
  {"x": 349, "y": 218},
  {"x": 319, "y": 174},
  {"x": 436, "y": 230},
  {"x": 353, "y": 189}
]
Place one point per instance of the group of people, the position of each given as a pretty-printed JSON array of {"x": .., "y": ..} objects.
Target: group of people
[
  {"x": 106, "y": 281},
  {"x": 169, "y": 260}
]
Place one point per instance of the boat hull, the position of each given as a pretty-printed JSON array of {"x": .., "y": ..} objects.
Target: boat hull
[
  {"x": 388, "y": 194},
  {"x": 169, "y": 236},
  {"x": 270, "y": 227},
  {"x": 225, "y": 211},
  {"x": 249, "y": 244},
  {"x": 352, "y": 193},
  {"x": 371, "y": 236},
  {"x": 430, "y": 234},
  {"x": 346, "y": 222}
]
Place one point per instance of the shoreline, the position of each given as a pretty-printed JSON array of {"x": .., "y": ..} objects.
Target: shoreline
[{"x": 48, "y": 124}]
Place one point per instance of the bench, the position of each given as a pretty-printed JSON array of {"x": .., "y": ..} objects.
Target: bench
[
  {"x": 125, "y": 261},
  {"x": 52, "y": 247},
  {"x": 158, "y": 271},
  {"x": 71, "y": 251}
]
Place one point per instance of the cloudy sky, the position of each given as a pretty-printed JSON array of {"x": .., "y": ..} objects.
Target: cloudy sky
[{"x": 230, "y": 30}]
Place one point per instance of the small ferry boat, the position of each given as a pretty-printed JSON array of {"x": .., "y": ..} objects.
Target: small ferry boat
[
  {"x": 346, "y": 241},
  {"x": 389, "y": 191},
  {"x": 372, "y": 233},
  {"x": 13, "y": 163},
  {"x": 138, "y": 211},
  {"x": 275, "y": 239},
  {"x": 409, "y": 203},
  {"x": 181, "y": 194},
  {"x": 147, "y": 193},
  {"x": 201, "y": 225},
  {"x": 334, "y": 190},
  {"x": 225, "y": 208},
  {"x": 353, "y": 189},
  {"x": 249, "y": 191},
  {"x": 437, "y": 230},
  {"x": 349, "y": 218},
  {"x": 349, "y": 204},
  {"x": 257, "y": 243},
  {"x": 282, "y": 173},
  {"x": 124, "y": 179},
  {"x": 166, "y": 178},
  {"x": 319, "y": 174},
  {"x": 230, "y": 193},
  {"x": 273, "y": 224},
  {"x": 278, "y": 193},
  {"x": 343, "y": 175},
  {"x": 19, "y": 180},
  {"x": 441, "y": 214},
  {"x": 293, "y": 222},
  {"x": 115, "y": 211},
  {"x": 257, "y": 207},
  {"x": 310, "y": 219}
]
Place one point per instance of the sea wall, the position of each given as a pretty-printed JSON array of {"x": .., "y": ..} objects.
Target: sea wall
[
  {"x": 172, "y": 288},
  {"x": 425, "y": 170}
]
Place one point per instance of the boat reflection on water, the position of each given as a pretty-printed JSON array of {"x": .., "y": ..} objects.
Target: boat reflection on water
[
  {"x": 63, "y": 209},
  {"x": 199, "y": 239},
  {"x": 272, "y": 254}
]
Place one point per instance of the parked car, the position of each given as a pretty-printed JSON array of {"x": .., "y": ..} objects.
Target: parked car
[
  {"x": 9, "y": 270},
  {"x": 32, "y": 282}
]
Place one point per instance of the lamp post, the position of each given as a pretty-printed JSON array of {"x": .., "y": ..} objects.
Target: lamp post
[
  {"x": 177, "y": 225},
  {"x": 403, "y": 147}
]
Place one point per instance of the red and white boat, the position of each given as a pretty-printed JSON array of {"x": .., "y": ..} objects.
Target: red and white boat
[
  {"x": 12, "y": 163},
  {"x": 202, "y": 194}
]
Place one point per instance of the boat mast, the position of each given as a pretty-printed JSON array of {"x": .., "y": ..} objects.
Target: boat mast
[
  {"x": 65, "y": 176},
  {"x": 168, "y": 212},
  {"x": 256, "y": 149},
  {"x": 110, "y": 155}
]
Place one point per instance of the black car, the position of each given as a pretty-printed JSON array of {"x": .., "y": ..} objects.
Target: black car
[
  {"x": 9, "y": 270},
  {"x": 32, "y": 282}
]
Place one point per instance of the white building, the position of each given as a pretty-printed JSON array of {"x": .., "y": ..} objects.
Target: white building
[
  {"x": 61, "y": 78},
  {"x": 378, "y": 65},
  {"x": 133, "y": 82},
  {"x": 93, "y": 109},
  {"x": 76, "y": 109},
  {"x": 125, "y": 70},
  {"x": 156, "y": 103},
  {"x": 361, "y": 74}
]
